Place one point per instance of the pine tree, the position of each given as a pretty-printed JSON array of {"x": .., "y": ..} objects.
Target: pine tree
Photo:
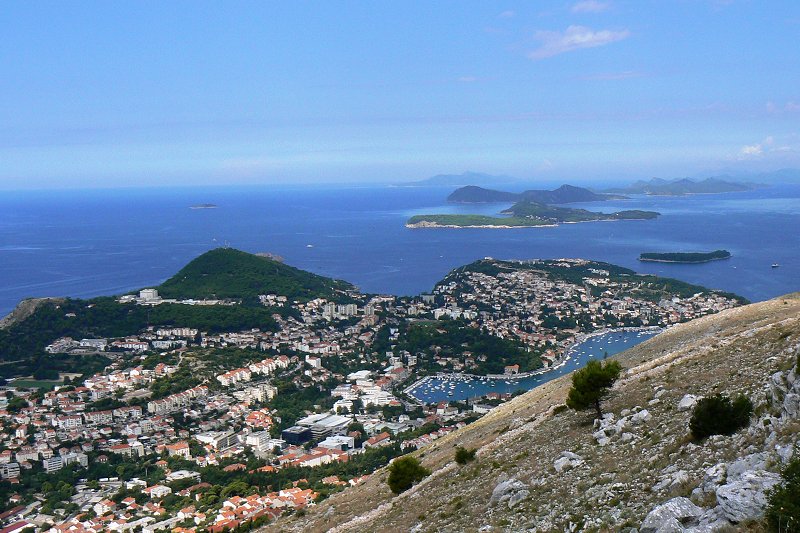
[{"x": 590, "y": 385}]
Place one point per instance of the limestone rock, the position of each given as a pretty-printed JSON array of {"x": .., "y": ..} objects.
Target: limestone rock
[
  {"x": 687, "y": 403},
  {"x": 791, "y": 405},
  {"x": 736, "y": 469},
  {"x": 512, "y": 491},
  {"x": 641, "y": 417},
  {"x": 677, "y": 511},
  {"x": 566, "y": 461},
  {"x": 745, "y": 498}
]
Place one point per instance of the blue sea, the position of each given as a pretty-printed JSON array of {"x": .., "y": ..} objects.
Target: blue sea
[
  {"x": 436, "y": 390},
  {"x": 89, "y": 243}
]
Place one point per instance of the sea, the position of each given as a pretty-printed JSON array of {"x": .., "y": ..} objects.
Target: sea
[
  {"x": 437, "y": 389},
  {"x": 104, "y": 242}
]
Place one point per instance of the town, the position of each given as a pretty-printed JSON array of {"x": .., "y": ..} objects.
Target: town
[{"x": 189, "y": 430}]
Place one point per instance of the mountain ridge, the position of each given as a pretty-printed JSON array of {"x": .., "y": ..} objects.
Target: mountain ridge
[{"x": 562, "y": 195}]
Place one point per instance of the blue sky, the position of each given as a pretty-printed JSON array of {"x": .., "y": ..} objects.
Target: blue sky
[{"x": 103, "y": 94}]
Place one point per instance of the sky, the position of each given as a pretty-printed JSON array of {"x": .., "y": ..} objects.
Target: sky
[{"x": 113, "y": 93}]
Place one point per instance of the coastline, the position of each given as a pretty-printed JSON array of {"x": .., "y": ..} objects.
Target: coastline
[
  {"x": 684, "y": 262},
  {"x": 568, "y": 347},
  {"x": 434, "y": 225}
]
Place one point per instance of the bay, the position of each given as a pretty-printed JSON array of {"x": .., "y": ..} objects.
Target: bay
[{"x": 436, "y": 389}]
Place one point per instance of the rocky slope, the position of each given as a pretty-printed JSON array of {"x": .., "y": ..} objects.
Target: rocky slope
[
  {"x": 24, "y": 309},
  {"x": 541, "y": 467}
]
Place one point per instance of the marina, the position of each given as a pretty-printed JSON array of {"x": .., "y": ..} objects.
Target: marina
[{"x": 460, "y": 387}]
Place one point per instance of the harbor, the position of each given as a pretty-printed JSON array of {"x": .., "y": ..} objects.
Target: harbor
[{"x": 460, "y": 387}]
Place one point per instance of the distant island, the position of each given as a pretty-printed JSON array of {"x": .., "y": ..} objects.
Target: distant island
[
  {"x": 563, "y": 195},
  {"x": 683, "y": 187},
  {"x": 472, "y": 221},
  {"x": 685, "y": 257},
  {"x": 458, "y": 180},
  {"x": 203, "y": 206},
  {"x": 525, "y": 214},
  {"x": 552, "y": 214}
]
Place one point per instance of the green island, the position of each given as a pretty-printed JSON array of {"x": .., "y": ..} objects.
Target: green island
[
  {"x": 526, "y": 214},
  {"x": 685, "y": 257},
  {"x": 472, "y": 221}
]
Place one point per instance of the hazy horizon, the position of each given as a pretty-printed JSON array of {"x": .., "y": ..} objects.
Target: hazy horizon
[{"x": 98, "y": 95}]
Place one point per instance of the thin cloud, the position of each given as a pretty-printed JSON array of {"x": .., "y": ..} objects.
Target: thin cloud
[
  {"x": 573, "y": 38},
  {"x": 757, "y": 150},
  {"x": 590, "y": 6},
  {"x": 507, "y": 14}
]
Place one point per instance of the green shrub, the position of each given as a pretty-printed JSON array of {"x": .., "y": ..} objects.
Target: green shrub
[
  {"x": 719, "y": 415},
  {"x": 591, "y": 384},
  {"x": 464, "y": 455},
  {"x": 404, "y": 472},
  {"x": 783, "y": 512}
]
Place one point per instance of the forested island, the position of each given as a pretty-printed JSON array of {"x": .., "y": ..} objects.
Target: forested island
[
  {"x": 685, "y": 257},
  {"x": 526, "y": 214}
]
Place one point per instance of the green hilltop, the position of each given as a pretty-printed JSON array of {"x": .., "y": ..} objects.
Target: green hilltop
[
  {"x": 220, "y": 274},
  {"x": 230, "y": 273}
]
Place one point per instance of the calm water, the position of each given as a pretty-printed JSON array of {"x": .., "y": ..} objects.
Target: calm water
[
  {"x": 85, "y": 244},
  {"x": 436, "y": 390}
]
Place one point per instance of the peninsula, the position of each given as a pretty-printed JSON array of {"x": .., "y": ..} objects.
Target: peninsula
[{"x": 685, "y": 257}]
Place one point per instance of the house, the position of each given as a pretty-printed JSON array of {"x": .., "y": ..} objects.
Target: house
[
  {"x": 103, "y": 507},
  {"x": 381, "y": 439},
  {"x": 157, "y": 491},
  {"x": 180, "y": 448}
]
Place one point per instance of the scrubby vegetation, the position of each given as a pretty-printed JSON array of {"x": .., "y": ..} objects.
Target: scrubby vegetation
[
  {"x": 720, "y": 415},
  {"x": 591, "y": 384},
  {"x": 404, "y": 472},
  {"x": 783, "y": 513},
  {"x": 464, "y": 455}
]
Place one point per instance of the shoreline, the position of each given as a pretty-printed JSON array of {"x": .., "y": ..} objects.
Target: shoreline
[
  {"x": 569, "y": 348},
  {"x": 684, "y": 262},
  {"x": 434, "y": 225}
]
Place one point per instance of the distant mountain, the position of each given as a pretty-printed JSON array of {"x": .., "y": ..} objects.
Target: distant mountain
[
  {"x": 563, "y": 195},
  {"x": 680, "y": 187},
  {"x": 472, "y": 194},
  {"x": 230, "y": 273},
  {"x": 458, "y": 180}
]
